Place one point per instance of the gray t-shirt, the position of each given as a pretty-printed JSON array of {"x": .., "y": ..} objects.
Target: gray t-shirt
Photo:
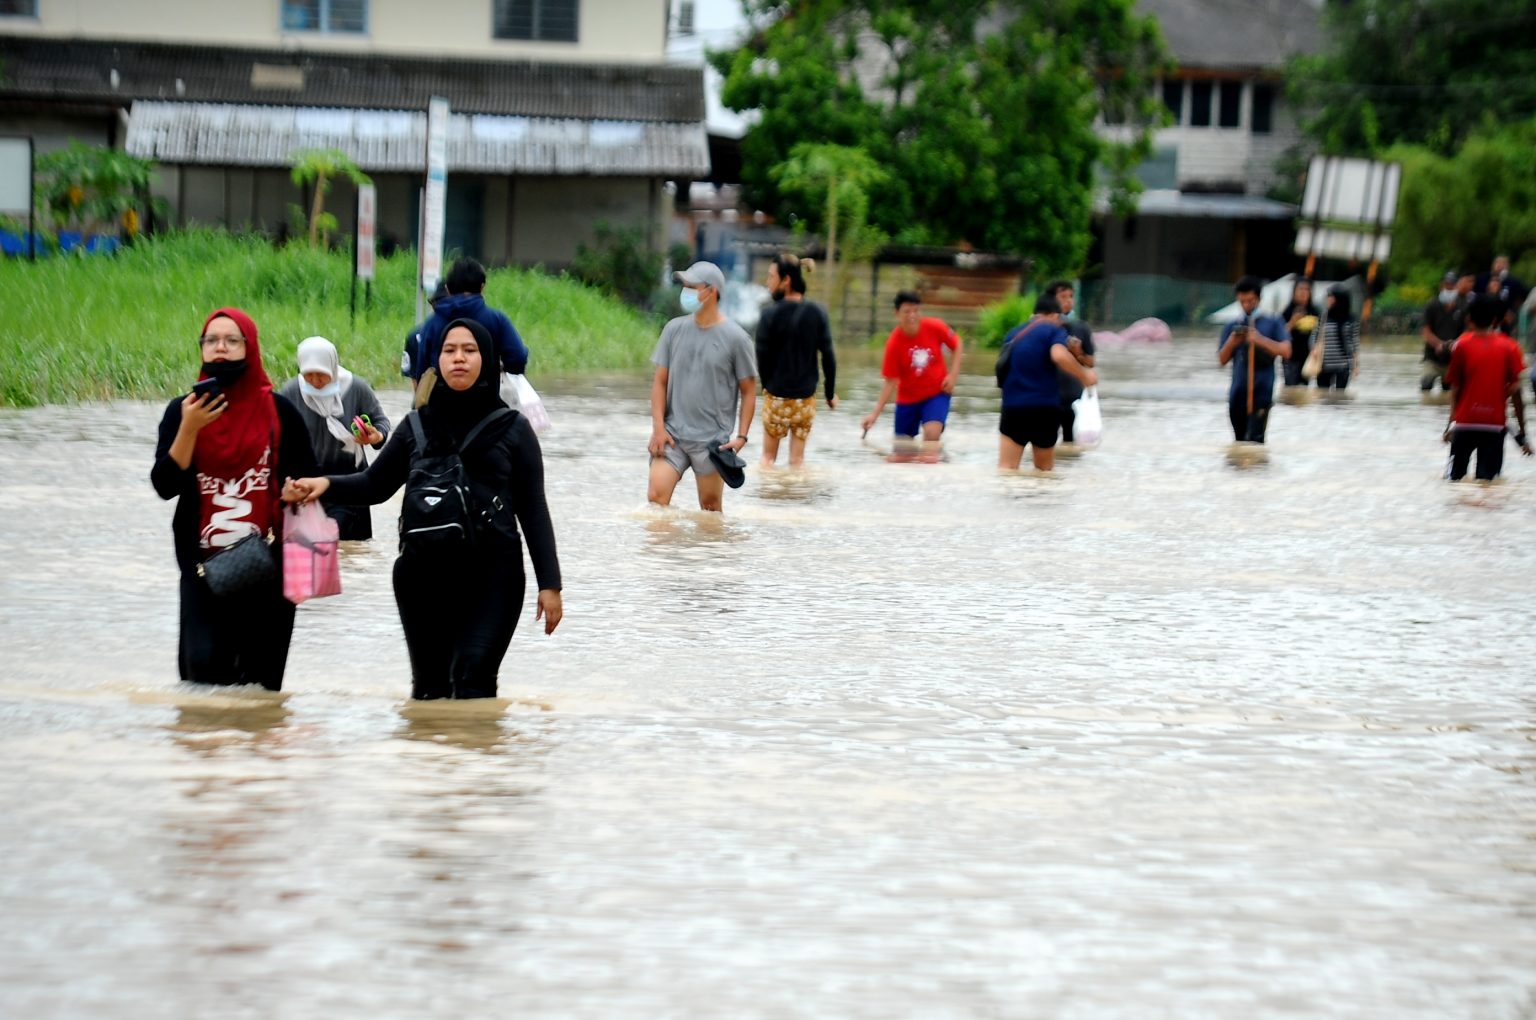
[{"x": 705, "y": 368}]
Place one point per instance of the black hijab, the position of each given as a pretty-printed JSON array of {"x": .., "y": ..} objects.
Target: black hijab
[
  {"x": 450, "y": 414},
  {"x": 1340, "y": 310}
]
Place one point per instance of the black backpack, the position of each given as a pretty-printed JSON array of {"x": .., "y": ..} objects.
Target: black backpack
[
  {"x": 1003, "y": 356},
  {"x": 440, "y": 512}
]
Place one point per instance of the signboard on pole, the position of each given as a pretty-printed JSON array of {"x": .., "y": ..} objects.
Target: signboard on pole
[
  {"x": 16, "y": 185},
  {"x": 435, "y": 197},
  {"x": 15, "y": 175},
  {"x": 1349, "y": 208},
  {"x": 367, "y": 206}
]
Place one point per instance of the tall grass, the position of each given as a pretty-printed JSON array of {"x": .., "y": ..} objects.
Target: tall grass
[{"x": 96, "y": 327}]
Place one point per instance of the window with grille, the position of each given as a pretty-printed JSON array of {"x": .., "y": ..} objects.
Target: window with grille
[
  {"x": 325, "y": 15},
  {"x": 1173, "y": 97},
  {"x": 18, "y": 8},
  {"x": 536, "y": 20},
  {"x": 1231, "y": 114},
  {"x": 1200, "y": 104},
  {"x": 1263, "y": 109}
]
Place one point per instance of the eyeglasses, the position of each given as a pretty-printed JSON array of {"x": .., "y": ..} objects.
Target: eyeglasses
[{"x": 229, "y": 343}]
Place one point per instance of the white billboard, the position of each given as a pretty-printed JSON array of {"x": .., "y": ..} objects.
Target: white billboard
[
  {"x": 435, "y": 197},
  {"x": 16, "y": 176},
  {"x": 1348, "y": 208}
]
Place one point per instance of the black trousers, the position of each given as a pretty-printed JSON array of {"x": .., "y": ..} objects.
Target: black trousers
[
  {"x": 1068, "y": 419},
  {"x": 234, "y": 639},
  {"x": 459, "y": 618},
  {"x": 1489, "y": 447},
  {"x": 1334, "y": 378},
  {"x": 1247, "y": 427}
]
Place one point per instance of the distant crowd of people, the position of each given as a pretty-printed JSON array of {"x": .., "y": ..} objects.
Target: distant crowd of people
[{"x": 234, "y": 451}]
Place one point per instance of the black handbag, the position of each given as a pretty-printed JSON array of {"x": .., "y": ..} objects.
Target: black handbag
[{"x": 239, "y": 568}]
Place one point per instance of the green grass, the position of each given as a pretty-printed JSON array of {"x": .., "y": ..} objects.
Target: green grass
[{"x": 75, "y": 328}]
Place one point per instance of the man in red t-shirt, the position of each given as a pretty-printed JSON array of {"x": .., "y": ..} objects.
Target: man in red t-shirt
[
  {"x": 1484, "y": 376},
  {"x": 914, "y": 369}
]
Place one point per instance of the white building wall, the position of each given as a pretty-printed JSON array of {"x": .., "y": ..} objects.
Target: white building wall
[{"x": 609, "y": 31}]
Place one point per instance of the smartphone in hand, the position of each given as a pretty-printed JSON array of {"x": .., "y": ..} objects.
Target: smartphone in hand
[{"x": 206, "y": 389}]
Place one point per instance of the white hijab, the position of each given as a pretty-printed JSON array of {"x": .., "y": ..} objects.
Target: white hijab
[{"x": 317, "y": 354}]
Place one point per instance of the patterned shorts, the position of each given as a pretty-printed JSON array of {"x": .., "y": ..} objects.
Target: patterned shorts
[{"x": 784, "y": 416}]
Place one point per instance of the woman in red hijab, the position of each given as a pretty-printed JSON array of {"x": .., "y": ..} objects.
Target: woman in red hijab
[{"x": 223, "y": 456}]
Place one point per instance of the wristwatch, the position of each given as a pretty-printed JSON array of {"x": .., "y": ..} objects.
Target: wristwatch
[{"x": 744, "y": 438}]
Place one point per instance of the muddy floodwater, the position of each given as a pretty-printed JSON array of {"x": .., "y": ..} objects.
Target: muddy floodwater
[{"x": 1163, "y": 735}]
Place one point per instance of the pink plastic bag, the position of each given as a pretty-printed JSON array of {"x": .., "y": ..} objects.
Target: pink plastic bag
[{"x": 311, "y": 569}]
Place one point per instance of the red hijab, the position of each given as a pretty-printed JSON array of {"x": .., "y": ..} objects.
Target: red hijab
[{"x": 236, "y": 454}]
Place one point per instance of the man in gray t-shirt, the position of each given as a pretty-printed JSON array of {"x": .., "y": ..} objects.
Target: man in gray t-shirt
[{"x": 704, "y": 363}]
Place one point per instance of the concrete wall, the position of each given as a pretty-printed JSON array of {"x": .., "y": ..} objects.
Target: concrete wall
[
  {"x": 612, "y": 31},
  {"x": 524, "y": 220},
  {"x": 551, "y": 215},
  {"x": 50, "y": 131}
]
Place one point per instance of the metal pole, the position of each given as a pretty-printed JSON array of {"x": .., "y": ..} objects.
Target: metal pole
[
  {"x": 355, "y": 239},
  {"x": 31, "y": 201},
  {"x": 1317, "y": 217},
  {"x": 421, "y": 239}
]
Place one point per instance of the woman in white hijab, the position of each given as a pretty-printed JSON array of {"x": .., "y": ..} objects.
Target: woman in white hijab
[{"x": 330, "y": 399}]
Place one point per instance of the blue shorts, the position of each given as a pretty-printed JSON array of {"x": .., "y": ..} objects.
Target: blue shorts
[{"x": 910, "y": 417}]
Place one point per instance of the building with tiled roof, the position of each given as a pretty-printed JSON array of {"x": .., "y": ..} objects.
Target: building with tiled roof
[{"x": 565, "y": 112}]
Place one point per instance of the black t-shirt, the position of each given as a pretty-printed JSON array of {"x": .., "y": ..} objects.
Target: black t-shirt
[
  {"x": 1067, "y": 386},
  {"x": 1301, "y": 339},
  {"x": 1445, "y": 321},
  {"x": 790, "y": 334}
]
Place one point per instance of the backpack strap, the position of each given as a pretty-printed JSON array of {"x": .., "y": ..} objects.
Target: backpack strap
[
  {"x": 420, "y": 435},
  {"x": 417, "y": 433},
  {"x": 474, "y": 433}
]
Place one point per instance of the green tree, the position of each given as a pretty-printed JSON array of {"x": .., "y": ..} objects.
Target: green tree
[
  {"x": 619, "y": 261},
  {"x": 836, "y": 179},
  {"x": 1444, "y": 216},
  {"x": 980, "y": 112},
  {"x": 319, "y": 168},
  {"x": 92, "y": 188},
  {"x": 1425, "y": 72}
]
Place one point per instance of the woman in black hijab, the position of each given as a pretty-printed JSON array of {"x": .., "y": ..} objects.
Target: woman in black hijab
[{"x": 460, "y": 600}]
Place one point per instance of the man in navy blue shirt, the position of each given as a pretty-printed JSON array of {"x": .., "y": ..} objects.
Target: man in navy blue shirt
[
  {"x": 465, "y": 300},
  {"x": 1035, "y": 353},
  {"x": 1263, "y": 338}
]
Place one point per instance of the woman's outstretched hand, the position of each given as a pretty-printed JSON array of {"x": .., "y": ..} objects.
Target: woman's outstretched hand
[
  {"x": 550, "y": 609},
  {"x": 304, "y": 490}
]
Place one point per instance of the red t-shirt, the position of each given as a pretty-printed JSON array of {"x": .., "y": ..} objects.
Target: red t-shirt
[
  {"x": 1483, "y": 367},
  {"x": 918, "y": 361}
]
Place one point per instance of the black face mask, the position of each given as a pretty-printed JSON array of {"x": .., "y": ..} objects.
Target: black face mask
[
  {"x": 778, "y": 295},
  {"x": 226, "y": 372}
]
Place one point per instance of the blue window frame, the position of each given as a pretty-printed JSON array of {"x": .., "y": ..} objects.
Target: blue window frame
[{"x": 325, "y": 16}]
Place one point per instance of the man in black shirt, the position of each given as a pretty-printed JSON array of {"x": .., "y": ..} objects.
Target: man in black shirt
[
  {"x": 1507, "y": 288},
  {"x": 1079, "y": 345},
  {"x": 1444, "y": 321},
  {"x": 790, "y": 334}
]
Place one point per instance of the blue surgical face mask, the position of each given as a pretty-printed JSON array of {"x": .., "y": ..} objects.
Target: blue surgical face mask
[
  {"x": 689, "y": 300},
  {"x": 1447, "y": 296},
  {"x": 329, "y": 391}
]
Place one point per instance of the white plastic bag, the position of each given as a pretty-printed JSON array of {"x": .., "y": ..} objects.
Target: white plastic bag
[
  {"x": 518, "y": 392},
  {"x": 1088, "y": 426}
]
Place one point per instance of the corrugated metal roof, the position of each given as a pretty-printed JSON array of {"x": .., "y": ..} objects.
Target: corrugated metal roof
[
  {"x": 1190, "y": 204},
  {"x": 217, "y": 134},
  {"x": 120, "y": 72},
  {"x": 1237, "y": 35}
]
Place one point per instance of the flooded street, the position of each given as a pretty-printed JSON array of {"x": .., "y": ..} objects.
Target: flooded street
[{"x": 1159, "y": 736}]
